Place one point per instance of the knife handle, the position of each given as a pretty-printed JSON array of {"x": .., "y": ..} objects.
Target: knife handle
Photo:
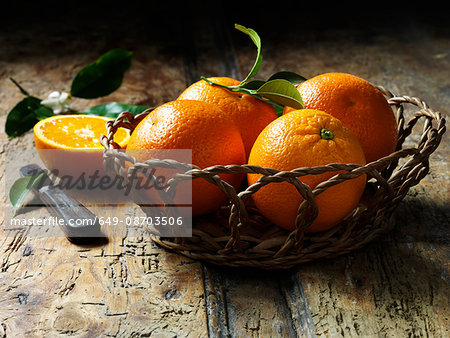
[
  {"x": 79, "y": 222},
  {"x": 30, "y": 170}
]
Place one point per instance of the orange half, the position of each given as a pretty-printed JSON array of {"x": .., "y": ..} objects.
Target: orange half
[
  {"x": 71, "y": 144},
  {"x": 75, "y": 132}
]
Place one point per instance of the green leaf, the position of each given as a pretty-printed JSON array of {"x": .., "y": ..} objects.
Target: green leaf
[
  {"x": 103, "y": 76},
  {"x": 113, "y": 109},
  {"x": 25, "y": 113},
  {"x": 278, "y": 110},
  {"x": 252, "y": 85},
  {"x": 21, "y": 188},
  {"x": 23, "y": 116},
  {"x": 289, "y": 76},
  {"x": 281, "y": 92},
  {"x": 257, "y": 41},
  {"x": 43, "y": 112}
]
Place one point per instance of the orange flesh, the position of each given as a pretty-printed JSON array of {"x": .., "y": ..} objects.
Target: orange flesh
[{"x": 80, "y": 132}]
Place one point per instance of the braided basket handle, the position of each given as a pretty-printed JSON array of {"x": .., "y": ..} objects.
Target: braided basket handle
[{"x": 124, "y": 120}]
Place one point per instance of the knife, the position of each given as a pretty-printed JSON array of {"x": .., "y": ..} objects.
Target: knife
[{"x": 80, "y": 225}]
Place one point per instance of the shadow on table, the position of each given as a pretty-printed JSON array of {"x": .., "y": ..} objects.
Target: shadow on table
[{"x": 402, "y": 274}]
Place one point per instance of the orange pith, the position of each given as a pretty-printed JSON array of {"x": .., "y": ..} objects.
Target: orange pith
[
  {"x": 306, "y": 138},
  {"x": 359, "y": 105},
  {"x": 248, "y": 113}
]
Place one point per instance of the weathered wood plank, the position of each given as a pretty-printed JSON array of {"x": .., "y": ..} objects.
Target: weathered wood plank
[
  {"x": 396, "y": 286},
  {"x": 128, "y": 286},
  {"x": 247, "y": 303},
  {"x": 392, "y": 287}
]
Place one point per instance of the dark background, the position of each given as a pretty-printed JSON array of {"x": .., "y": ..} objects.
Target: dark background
[{"x": 168, "y": 19}]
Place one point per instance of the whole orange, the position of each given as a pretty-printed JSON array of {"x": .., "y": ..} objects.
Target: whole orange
[
  {"x": 359, "y": 105},
  {"x": 201, "y": 127},
  {"x": 249, "y": 113},
  {"x": 306, "y": 138}
]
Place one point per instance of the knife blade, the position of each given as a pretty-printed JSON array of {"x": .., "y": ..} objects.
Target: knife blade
[{"x": 80, "y": 225}]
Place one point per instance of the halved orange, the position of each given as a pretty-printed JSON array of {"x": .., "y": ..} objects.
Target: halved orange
[
  {"x": 75, "y": 132},
  {"x": 71, "y": 144}
]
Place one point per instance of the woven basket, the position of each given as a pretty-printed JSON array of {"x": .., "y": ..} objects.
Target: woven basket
[{"x": 239, "y": 236}]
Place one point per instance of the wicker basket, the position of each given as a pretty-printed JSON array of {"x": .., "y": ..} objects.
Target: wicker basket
[{"x": 239, "y": 236}]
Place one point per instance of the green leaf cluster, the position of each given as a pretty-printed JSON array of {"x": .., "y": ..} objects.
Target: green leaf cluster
[
  {"x": 279, "y": 89},
  {"x": 98, "y": 79}
]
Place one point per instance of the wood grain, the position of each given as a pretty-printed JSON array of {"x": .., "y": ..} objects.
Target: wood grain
[{"x": 128, "y": 287}]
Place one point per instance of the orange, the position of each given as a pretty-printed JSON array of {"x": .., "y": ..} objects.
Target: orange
[
  {"x": 249, "y": 113},
  {"x": 359, "y": 105},
  {"x": 201, "y": 127},
  {"x": 70, "y": 143},
  {"x": 306, "y": 138}
]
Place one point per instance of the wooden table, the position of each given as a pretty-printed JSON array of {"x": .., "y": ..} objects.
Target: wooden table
[{"x": 397, "y": 286}]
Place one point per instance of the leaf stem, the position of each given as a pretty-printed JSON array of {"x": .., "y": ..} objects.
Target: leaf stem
[
  {"x": 218, "y": 84},
  {"x": 239, "y": 88},
  {"x": 23, "y": 91}
]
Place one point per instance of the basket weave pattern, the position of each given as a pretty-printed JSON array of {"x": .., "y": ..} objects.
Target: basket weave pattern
[{"x": 238, "y": 235}]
